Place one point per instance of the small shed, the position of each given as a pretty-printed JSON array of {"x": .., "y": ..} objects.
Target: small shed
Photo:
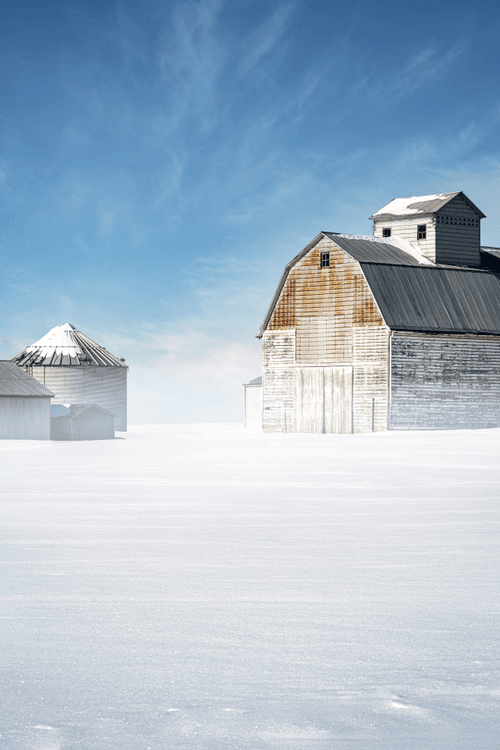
[
  {"x": 81, "y": 422},
  {"x": 24, "y": 405},
  {"x": 253, "y": 403}
]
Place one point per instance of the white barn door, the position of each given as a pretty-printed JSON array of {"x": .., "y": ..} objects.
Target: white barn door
[{"x": 323, "y": 399}]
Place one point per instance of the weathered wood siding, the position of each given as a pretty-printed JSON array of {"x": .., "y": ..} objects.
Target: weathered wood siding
[
  {"x": 453, "y": 233},
  {"x": 326, "y": 318},
  {"x": 458, "y": 234},
  {"x": 406, "y": 228},
  {"x": 24, "y": 418},
  {"x": 278, "y": 360},
  {"x": 444, "y": 381}
]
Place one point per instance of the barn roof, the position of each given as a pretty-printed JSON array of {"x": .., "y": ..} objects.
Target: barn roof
[
  {"x": 75, "y": 410},
  {"x": 413, "y": 293},
  {"x": 422, "y": 205},
  {"x": 255, "y": 381},
  {"x": 65, "y": 346},
  {"x": 435, "y": 299},
  {"x": 16, "y": 382}
]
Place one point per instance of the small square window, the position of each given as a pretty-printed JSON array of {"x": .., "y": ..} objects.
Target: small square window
[
  {"x": 386, "y": 232},
  {"x": 422, "y": 232},
  {"x": 325, "y": 260}
]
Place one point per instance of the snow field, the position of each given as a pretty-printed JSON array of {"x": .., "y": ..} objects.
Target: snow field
[{"x": 198, "y": 586}]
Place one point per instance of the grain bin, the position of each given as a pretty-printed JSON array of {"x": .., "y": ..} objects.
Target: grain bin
[{"x": 78, "y": 371}]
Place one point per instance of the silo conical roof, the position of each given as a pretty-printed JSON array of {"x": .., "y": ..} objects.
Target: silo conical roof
[{"x": 64, "y": 346}]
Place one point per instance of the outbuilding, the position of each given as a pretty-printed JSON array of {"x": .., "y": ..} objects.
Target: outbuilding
[
  {"x": 24, "y": 405},
  {"x": 78, "y": 371},
  {"x": 253, "y": 403},
  {"x": 396, "y": 331},
  {"x": 81, "y": 422}
]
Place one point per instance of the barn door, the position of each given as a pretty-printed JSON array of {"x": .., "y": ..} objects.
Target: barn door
[{"x": 323, "y": 399}]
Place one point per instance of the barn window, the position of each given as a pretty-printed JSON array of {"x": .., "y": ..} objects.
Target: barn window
[
  {"x": 386, "y": 232},
  {"x": 421, "y": 231},
  {"x": 325, "y": 260}
]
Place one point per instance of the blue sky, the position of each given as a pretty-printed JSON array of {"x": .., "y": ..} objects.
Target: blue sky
[{"x": 160, "y": 163}]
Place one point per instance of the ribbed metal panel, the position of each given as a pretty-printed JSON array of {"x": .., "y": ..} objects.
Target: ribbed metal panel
[
  {"x": 104, "y": 386},
  {"x": 16, "y": 382},
  {"x": 24, "y": 418}
]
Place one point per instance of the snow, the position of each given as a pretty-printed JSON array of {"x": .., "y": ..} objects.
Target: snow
[
  {"x": 399, "y": 206},
  {"x": 199, "y": 586},
  {"x": 59, "y": 340}
]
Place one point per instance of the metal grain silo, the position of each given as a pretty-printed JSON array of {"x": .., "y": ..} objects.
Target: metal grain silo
[{"x": 78, "y": 371}]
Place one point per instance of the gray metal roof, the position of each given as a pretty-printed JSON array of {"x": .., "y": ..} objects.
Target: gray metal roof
[
  {"x": 371, "y": 250},
  {"x": 255, "y": 381},
  {"x": 444, "y": 300},
  {"x": 16, "y": 382},
  {"x": 491, "y": 250},
  {"x": 74, "y": 410},
  {"x": 85, "y": 353}
]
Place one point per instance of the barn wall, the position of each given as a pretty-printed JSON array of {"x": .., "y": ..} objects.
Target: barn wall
[
  {"x": 444, "y": 382},
  {"x": 458, "y": 238},
  {"x": 278, "y": 359},
  {"x": 341, "y": 347},
  {"x": 24, "y": 418},
  {"x": 406, "y": 228},
  {"x": 253, "y": 407},
  {"x": 104, "y": 386}
]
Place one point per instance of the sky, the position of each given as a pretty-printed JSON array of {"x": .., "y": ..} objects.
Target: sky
[{"x": 161, "y": 162}]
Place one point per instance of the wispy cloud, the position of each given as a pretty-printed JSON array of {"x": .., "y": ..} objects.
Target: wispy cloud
[{"x": 264, "y": 39}]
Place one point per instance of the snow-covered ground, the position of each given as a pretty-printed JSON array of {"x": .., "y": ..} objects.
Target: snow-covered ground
[{"x": 198, "y": 586}]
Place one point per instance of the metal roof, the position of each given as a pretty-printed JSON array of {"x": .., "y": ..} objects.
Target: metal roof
[
  {"x": 255, "y": 381},
  {"x": 65, "y": 346},
  {"x": 434, "y": 299},
  {"x": 419, "y": 205},
  {"x": 74, "y": 410},
  {"x": 368, "y": 249},
  {"x": 16, "y": 382},
  {"x": 491, "y": 250}
]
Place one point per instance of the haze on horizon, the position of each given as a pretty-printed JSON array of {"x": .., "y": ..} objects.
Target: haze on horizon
[{"x": 160, "y": 163}]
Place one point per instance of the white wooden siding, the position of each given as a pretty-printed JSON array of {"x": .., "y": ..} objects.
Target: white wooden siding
[
  {"x": 444, "y": 381},
  {"x": 406, "y": 228},
  {"x": 278, "y": 359},
  {"x": 323, "y": 399}
]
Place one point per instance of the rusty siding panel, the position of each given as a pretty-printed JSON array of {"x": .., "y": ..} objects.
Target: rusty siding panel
[
  {"x": 444, "y": 382},
  {"x": 324, "y": 304}
]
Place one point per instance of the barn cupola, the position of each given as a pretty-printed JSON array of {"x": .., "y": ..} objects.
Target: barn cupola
[{"x": 444, "y": 227}]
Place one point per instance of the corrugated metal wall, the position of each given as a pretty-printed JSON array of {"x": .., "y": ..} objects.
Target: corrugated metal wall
[
  {"x": 24, "y": 418},
  {"x": 444, "y": 382},
  {"x": 104, "y": 386}
]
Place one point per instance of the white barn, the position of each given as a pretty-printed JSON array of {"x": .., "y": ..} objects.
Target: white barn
[
  {"x": 24, "y": 405},
  {"x": 78, "y": 371}
]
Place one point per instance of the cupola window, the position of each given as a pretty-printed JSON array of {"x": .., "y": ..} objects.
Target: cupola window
[
  {"x": 422, "y": 232},
  {"x": 386, "y": 232}
]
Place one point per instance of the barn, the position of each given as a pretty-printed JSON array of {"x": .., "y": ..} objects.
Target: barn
[
  {"x": 24, "y": 405},
  {"x": 252, "y": 405},
  {"x": 78, "y": 371},
  {"x": 81, "y": 422},
  {"x": 397, "y": 331}
]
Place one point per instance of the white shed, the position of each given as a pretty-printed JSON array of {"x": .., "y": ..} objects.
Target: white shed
[
  {"x": 78, "y": 371},
  {"x": 253, "y": 403},
  {"x": 24, "y": 405}
]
